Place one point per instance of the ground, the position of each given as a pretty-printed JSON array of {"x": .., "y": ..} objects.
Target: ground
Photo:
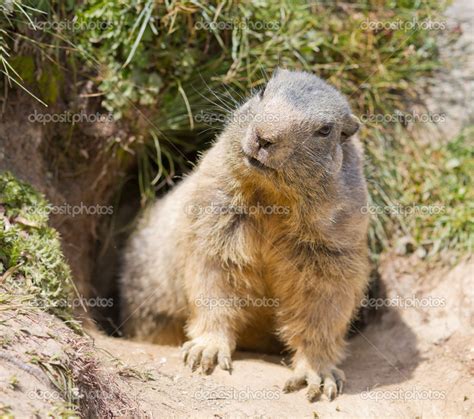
[
  {"x": 412, "y": 362},
  {"x": 415, "y": 360}
]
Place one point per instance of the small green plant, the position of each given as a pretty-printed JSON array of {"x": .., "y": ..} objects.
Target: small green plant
[
  {"x": 13, "y": 382},
  {"x": 61, "y": 377},
  {"x": 137, "y": 373},
  {"x": 7, "y": 11},
  {"x": 31, "y": 260},
  {"x": 5, "y": 410}
]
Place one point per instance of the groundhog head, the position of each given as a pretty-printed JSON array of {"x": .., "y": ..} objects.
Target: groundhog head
[{"x": 295, "y": 126}]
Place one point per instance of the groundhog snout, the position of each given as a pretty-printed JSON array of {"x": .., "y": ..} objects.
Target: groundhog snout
[
  {"x": 263, "y": 146},
  {"x": 257, "y": 142}
]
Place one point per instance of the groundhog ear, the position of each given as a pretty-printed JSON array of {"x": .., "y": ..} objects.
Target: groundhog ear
[{"x": 350, "y": 126}]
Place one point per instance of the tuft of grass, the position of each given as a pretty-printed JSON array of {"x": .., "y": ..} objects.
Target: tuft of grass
[
  {"x": 31, "y": 260},
  {"x": 125, "y": 370},
  {"x": 6, "y": 410},
  {"x": 61, "y": 377},
  {"x": 7, "y": 10},
  {"x": 13, "y": 382},
  {"x": 422, "y": 194},
  {"x": 441, "y": 178}
]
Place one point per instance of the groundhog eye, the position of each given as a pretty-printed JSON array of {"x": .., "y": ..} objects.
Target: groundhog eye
[{"x": 324, "y": 131}]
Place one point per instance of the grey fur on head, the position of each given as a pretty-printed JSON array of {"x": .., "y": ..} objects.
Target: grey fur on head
[{"x": 297, "y": 125}]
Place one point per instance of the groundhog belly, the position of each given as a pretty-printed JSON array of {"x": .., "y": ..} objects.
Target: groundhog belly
[
  {"x": 259, "y": 335},
  {"x": 257, "y": 300}
]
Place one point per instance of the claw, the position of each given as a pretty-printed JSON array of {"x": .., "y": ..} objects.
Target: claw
[
  {"x": 313, "y": 393},
  {"x": 330, "y": 392},
  {"x": 330, "y": 387},
  {"x": 194, "y": 364},
  {"x": 340, "y": 386},
  {"x": 294, "y": 383},
  {"x": 185, "y": 350},
  {"x": 207, "y": 352},
  {"x": 329, "y": 382},
  {"x": 225, "y": 363}
]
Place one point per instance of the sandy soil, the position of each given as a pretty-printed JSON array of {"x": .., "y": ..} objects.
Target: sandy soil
[{"x": 416, "y": 361}]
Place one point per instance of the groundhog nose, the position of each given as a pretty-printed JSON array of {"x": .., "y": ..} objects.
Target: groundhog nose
[{"x": 263, "y": 143}]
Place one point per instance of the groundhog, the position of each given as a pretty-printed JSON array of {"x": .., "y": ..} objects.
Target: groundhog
[{"x": 264, "y": 242}]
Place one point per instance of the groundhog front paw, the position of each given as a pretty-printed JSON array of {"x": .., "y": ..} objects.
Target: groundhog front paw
[
  {"x": 329, "y": 381},
  {"x": 207, "y": 351}
]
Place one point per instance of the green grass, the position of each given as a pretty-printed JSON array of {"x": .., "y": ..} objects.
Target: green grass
[
  {"x": 441, "y": 176},
  {"x": 32, "y": 266}
]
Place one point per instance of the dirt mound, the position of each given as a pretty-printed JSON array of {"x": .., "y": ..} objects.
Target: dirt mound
[{"x": 47, "y": 369}]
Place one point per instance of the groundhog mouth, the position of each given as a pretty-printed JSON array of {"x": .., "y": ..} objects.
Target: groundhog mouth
[{"x": 257, "y": 164}]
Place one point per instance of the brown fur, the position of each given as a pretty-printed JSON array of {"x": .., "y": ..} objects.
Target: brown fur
[{"x": 311, "y": 260}]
